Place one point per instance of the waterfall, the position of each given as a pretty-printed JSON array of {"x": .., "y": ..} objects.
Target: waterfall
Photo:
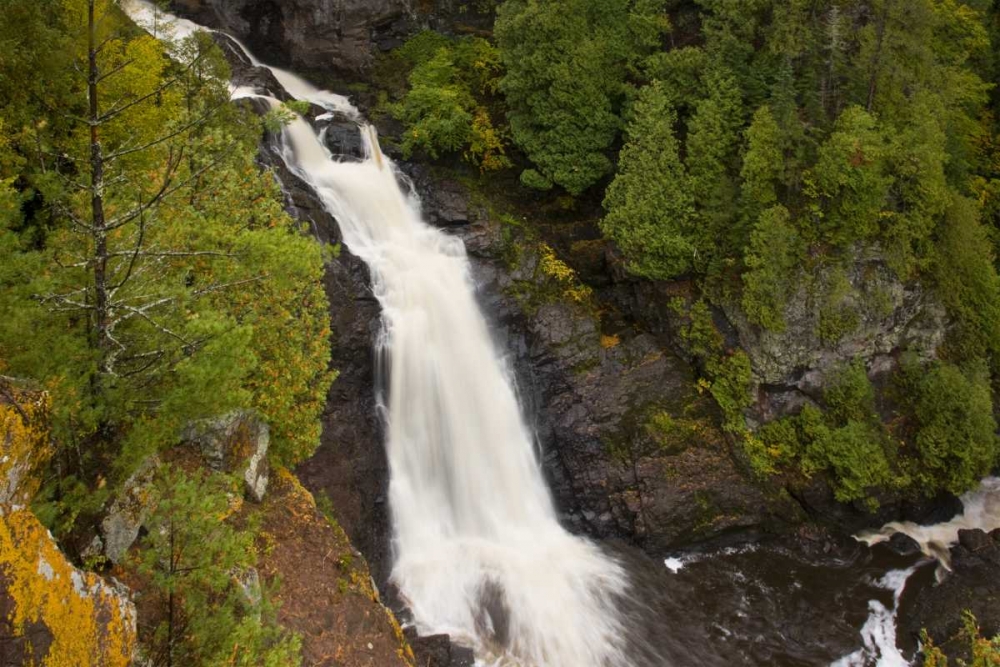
[{"x": 478, "y": 551}]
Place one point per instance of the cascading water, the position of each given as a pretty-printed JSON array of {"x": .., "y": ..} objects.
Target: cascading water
[{"x": 479, "y": 553}]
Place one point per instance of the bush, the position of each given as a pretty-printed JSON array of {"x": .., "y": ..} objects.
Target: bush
[
  {"x": 954, "y": 430},
  {"x": 445, "y": 109}
]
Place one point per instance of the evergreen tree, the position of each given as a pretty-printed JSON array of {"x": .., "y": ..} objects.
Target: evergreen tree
[
  {"x": 566, "y": 68},
  {"x": 147, "y": 266},
  {"x": 650, "y": 208},
  {"x": 194, "y": 559}
]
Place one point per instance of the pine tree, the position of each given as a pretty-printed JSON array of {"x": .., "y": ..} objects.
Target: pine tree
[
  {"x": 193, "y": 559},
  {"x": 650, "y": 208}
]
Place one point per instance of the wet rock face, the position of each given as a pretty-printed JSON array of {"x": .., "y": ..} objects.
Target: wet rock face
[
  {"x": 340, "y": 36},
  {"x": 973, "y": 584},
  {"x": 629, "y": 448}
]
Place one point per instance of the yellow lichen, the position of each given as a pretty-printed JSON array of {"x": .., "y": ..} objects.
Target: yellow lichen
[
  {"x": 90, "y": 624},
  {"x": 24, "y": 442}
]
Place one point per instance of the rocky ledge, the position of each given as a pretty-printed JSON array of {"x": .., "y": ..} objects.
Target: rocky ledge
[{"x": 973, "y": 584}]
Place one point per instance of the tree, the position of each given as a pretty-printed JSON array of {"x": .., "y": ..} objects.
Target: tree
[
  {"x": 849, "y": 182},
  {"x": 193, "y": 560},
  {"x": 772, "y": 260},
  {"x": 712, "y": 141},
  {"x": 566, "y": 66},
  {"x": 148, "y": 280},
  {"x": 953, "y": 424},
  {"x": 762, "y": 162},
  {"x": 445, "y": 109},
  {"x": 650, "y": 208}
]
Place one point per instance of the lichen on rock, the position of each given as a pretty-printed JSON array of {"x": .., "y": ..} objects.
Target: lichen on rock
[
  {"x": 24, "y": 441},
  {"x": 52, "y": 614}
]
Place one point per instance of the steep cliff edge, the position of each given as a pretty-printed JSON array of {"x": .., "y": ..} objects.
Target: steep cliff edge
[{"x": 51, "y": 613}]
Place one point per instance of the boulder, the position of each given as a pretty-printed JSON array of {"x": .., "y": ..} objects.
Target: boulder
[
  {"x": 52, "y": 613},
  {"x": 235, "y": 443},
  {"x": 439, "y": 651},
  {"x": 126, "y": 514},
  {"x": 903, "y": 545},
  {"x": 342, "y": 136}
]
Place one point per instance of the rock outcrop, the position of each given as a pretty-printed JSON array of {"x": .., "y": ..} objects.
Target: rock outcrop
[
  {"x": 834, "y": 317},
  {"x": 329, "y": 36},
  {"x": 126, "y": 513},
  {"x": 24, "y": 441},
  {"x": 973, "y": 585},
  {"x": 235, "y": 443},
  {"x": 51, "y": 613}
]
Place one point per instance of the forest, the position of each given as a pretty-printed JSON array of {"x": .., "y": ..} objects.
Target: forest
[
  {"x": 768, "y": 156},
  {"x": 770, "y": 153}
]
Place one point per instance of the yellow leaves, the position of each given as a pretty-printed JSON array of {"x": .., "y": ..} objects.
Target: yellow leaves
[
  {"x": 608, "y": 342},
  {"x": 90, "y": 625},
  {"x": 554, "y": 268}
]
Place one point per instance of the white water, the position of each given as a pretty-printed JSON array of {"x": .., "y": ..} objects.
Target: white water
[
  {"x": 171, "y": 29},
  {"x": 981, "y": 510},
  {"x": 479, "y": 553},
  {"x": 879, "y": 632}
]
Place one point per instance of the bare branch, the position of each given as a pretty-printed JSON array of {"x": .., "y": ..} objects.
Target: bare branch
[{"x": 181, "y": 130}]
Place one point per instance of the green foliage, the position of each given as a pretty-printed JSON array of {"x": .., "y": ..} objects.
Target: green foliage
[
  {"x": 193, "y": 559},
  {"x": 983, "y": 651},
  {"x": 762, "y": 162},
  {"x": 698, "y": 333},
  {"x": 846, "y": 440},
  {"x": 950, "y": 433},
  {"x": 772, "y": 260},
  {"x": 533, "y": 179},
  {"x": 712, "y": 141},
  {"x": 201, "y": 269},
  {"x": 566, "y": 67},
  {"x": 731, "y": 381},
  {"x": 445, "y": 109},
  {"x": 849, "y": 182},
  {"x": 650, "y": 205},
  {"x": 968, "y": 284},
  {"x": 853, "y": 453},
  {"x": 952, "y": 423}
]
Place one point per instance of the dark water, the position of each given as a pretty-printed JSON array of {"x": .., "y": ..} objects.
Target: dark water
[{"x": 761, "y": 605}]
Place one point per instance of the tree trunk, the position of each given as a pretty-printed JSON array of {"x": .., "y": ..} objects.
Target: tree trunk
[{"x": 99, "y": 230}]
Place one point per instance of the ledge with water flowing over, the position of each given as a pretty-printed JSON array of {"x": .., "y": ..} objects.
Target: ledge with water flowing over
[{"x": 590, "y": 404}]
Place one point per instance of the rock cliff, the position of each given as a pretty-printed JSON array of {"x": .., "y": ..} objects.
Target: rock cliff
[
  {"x": 331, "y": 36},
  {"x": 51, "y": 613}
]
